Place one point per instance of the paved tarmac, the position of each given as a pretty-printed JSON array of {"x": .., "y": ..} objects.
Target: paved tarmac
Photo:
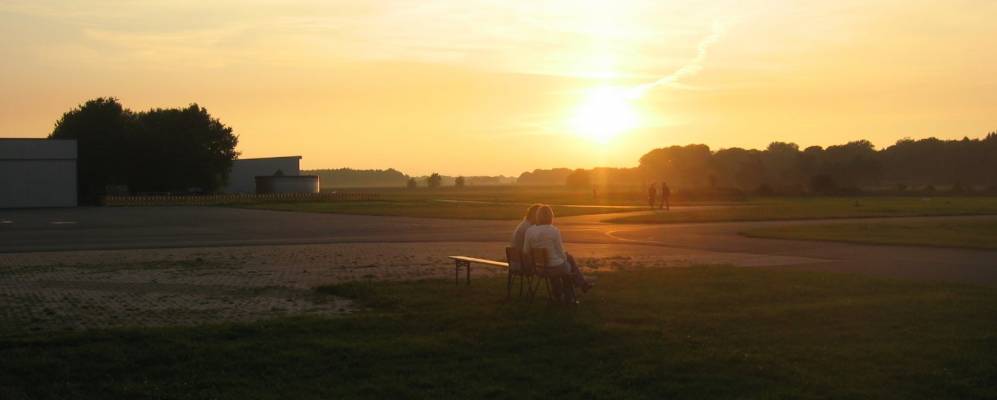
[{"x": 91, "y": 228}]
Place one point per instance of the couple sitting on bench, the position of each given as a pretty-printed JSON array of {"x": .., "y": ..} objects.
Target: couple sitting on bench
[{"x": 537, "y": 231}]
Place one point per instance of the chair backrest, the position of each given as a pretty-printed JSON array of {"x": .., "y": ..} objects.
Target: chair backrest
[
  {"x": 514, "y": 256},
  {"x": 539, "y": 257}
]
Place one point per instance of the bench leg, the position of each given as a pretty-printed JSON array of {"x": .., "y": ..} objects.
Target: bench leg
[{"x": 458, "y": 264}]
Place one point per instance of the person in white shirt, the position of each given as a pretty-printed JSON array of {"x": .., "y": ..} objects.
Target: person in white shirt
[{"x": 544, "y": 235}]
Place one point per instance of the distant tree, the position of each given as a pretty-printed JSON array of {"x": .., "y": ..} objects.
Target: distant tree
[
  {"x": 823, "y": 184},
  {"x": 163, "y": 150},
  {"x": 783, "y": 168},
  {"x": 681, "y": 165},
  {"x": 459, "y": 182},
  {"x": 434, "y": 180},
  {"x": 611, "y": 176},
  {"x": 782, "y": 163},
  {"x": 538, "y": 177},
  {"x": 411, "y": 184},
  {"x": 740, "y": 168},
  {"x": 580, "y": 178},
  {"x": 852, "y": 164}
]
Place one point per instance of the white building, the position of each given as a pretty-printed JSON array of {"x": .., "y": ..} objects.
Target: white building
[
  {"x": 37, "y": 173},
  {"x": 242, "y": 178}
]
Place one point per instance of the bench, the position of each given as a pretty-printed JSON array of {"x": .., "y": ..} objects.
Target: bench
[
  {"x": 465, "y": 262},
  {"x": 532, "y": 274}
]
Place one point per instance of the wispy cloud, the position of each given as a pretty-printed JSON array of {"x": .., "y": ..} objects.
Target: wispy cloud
[{"x": 689, "y": 69}]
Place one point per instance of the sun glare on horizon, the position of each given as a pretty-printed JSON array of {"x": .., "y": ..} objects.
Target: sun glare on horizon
[{"x": 605, "y": 113}]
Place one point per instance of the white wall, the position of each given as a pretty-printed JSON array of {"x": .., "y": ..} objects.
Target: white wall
[
  {"x": 288, "y": 184},
  {"x": 37, "y": 173},
  {"x": 242, "y": 178}
]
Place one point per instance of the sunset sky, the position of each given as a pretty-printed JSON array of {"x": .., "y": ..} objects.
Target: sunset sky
[{"x": 499, "y": 87}]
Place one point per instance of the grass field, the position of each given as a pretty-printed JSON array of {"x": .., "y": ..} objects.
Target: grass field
[
  {"x": 710, "y": 332},
  {"x": 519, "y": 194},
  {"x": 496, "y": 203},
  {"x": 427, "y": 209},
  {"x": 967, "y": 234},
  {"x": 509, "y": 202},
  {"x": 794, "y": 208}
]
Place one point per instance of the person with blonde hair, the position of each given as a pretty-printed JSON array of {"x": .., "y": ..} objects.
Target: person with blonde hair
[{"x": 544, "y": 235}]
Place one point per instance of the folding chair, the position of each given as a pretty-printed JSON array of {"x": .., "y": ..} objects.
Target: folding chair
[
  {"x": 520, "y": 267},
  {"x": 558, "y": 284}
]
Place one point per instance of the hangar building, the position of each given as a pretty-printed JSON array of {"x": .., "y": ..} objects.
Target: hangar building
[
  {"x": 37, "y": 173},
  {"x": 242, "y": 177}
]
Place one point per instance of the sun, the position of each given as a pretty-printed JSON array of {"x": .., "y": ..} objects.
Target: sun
[{"x": 604, "y": 113}]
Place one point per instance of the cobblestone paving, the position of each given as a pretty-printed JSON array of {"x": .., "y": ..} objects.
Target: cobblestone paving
[{"x": 61, "y": 291}]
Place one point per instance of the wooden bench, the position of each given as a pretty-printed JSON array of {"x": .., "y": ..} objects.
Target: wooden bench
[
  {"x": 534, "y": 274},
  {"x": 465, "y": 262}
]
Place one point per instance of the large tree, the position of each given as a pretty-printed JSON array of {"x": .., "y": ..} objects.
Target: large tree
[
  {"x": 160, "y": 150},
  {"x": 183, "y": 149},
  {"x": 103, "y": 130}
]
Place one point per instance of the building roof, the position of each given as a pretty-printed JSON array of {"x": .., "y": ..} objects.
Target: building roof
[
  {"x": 268, "y": 158},
  {"x": 37, "y": 149}
]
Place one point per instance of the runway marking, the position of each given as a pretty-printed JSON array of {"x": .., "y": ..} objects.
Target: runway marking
[
  {"x": 62, "y": 222},
  {"x": 6, "y": 221}
]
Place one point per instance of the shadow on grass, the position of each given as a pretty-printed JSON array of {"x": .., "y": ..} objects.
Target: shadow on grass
[{"x": 677, "y": 333}]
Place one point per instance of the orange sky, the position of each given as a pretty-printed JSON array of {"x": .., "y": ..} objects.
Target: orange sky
[{"x": 499, "y": 87}]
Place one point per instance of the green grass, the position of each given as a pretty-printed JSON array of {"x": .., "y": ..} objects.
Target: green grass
[
  {"x": 517, "y": 194},
  {"x": 968, "y": 234},
  {"x": 505, "y": 203},
  {"x": 494, "y": 203},
  {"x": 678, "y": 333},
  {"x": 426, "y": 209},
  {"x": 765, "y": 209}
]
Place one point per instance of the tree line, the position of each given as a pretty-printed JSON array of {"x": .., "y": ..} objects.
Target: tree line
[
  {"x": 187, "y": 150},
  {"x": 783, "y": 167},
  {"x": 159, "y": 150},
  {"x": 374, "y": 178}
]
